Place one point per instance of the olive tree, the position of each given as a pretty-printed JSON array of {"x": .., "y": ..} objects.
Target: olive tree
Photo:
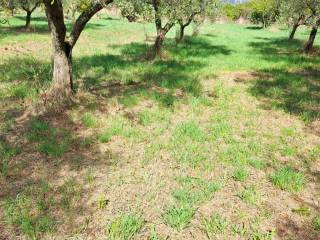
[
  {"x": 313, "y": 21},
  {"x": 29, "y": 6},
  {"x": 63, "y": 43},
  {"x": 294, "y": 13},
  {"x": 188, "y": 10}
]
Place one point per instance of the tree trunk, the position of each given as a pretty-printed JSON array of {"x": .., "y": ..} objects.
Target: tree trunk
[
  {"x": 62, "y": 84},
  {"x": 293, "y": 31},
  {"x": 28, "y": 19},
  {"x": 181, "y": 36},
  {"x": 158, "y": 45},
  {"x": 309, "y": 44}
]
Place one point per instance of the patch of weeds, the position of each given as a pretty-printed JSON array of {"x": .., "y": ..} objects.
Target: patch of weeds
[
  {"x": 20, "y": 91},
  {"x": 302, "y": 210},
  {"x": 124, "y": 227},
  {"x": 289, "y": 151},
  {"x": 85, "y": 142},
  {"x": 129, "y": 100},
  {"x": 102, "y": 202},
  {"x": 316, "y": 224},
  {"x": 164, "y": 99},
  {"x": 70, "y": 194},
  {"x": 178, "y": 217},
  {"x": 190, "y": 153},
  {"x": 89, "y": 120},
  {"x": 21, "y": 211},
  {"x": 214, "y": 224},
  {"x": 150, "y": 116},
  {"x": 258, "y": 164},
  {"x": 237, "y": 154},
  {"x": 6, "y": 152},
  {"x": 89, "y": 176},
  {"x": 288, "y": 179},
  {"x": 194, "y": 191},
  {"x": 288, "y": 132},
  {"x": 240, "y": 175},
  {"x": 249, "y": 195},
  {"x": 153, "y": 234},
  {"x": 120, "y": 127},
  {"x": 51, "y": 141},
  {"x": 188, "y": 130},
  {"x": 252, "y": 233}
]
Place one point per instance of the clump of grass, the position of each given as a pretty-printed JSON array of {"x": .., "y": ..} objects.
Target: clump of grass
[
  {"x": 249, "y": 195},
  {"x": 194, "y": 191},
  {"x": 178, "y": 217},
  {"x": 70, "y": 193},
  {"x": 89, "y": 120},
  {"x": 6, "y": 152},
  {"x": 102, "y": 202},
  {"x": 120, "y": 127},
  {"x": 129, "y": 100},
  {"x": 288, "y": 179},
  {"x": 148, "y": 117},
  {"x": 190, "y": 153},
  {"x": 240, "y": 175},
  {"x": 316, "y": 224},
  {"x": 189, "y": 130},
  {"x": 302, "y": 210},
  {"x": 213, "y": 225},
  {"x": 124, "y": 227},
  {"x": 22, "y": 211},
  {"x": 51, "y": 141}
]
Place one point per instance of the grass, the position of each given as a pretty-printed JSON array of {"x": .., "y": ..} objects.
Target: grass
[
  {"x": 288, "y": 179},
  {"x": 178, "y": 217},
  {"x": 215, "y": 224},
  {"x": 220, "y": 115},
  {"x": 124, "y": 227}
]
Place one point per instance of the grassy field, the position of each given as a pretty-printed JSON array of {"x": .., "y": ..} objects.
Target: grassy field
[{"x": 220, "y": 140}]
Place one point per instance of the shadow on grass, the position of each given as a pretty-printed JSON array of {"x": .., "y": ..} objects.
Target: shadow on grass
[
  {"x": 254, "y": 27},
  {"x": 294, "y": 86},
  {"x": 178, "y": 72}
]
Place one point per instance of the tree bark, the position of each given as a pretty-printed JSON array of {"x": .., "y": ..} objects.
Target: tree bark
[
  {"x": 181, "y": 37},
  {"x": 293, "y": 31},
  {"x": 28, "y": 19},
  {"x": 309, "y": 44},
  {"x": 158, "y": 46},
  {"x": 62, "y": 84}
]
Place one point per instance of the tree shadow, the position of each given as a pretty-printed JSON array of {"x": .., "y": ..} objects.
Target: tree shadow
[
  {"x": 179, "y": 71},
  {"x": 292, "y": 86},
  {"x": 254, "y": 27}
]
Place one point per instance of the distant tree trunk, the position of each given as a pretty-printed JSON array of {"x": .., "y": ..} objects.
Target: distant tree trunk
[
  {"x": 181, "y": 35},
  {"x": 293, "y": 31},
  {"x": 161, "y": 31},
  {"x": 28, "y": 19},
  {"x": 309, "y": 44},
  {"x": 158, "y": 45}
]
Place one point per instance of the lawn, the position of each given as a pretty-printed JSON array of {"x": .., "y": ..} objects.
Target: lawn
[{"x": 219, "y": 140}]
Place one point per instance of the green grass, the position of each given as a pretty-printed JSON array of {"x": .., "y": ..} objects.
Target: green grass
[
  {"x": 240, "y": 175},
  {"x": 215, "y": 224},
  {"x": 250, "y": 195},
  {"x": 316, "y": 224},
  {"x": 288, "y": 179},
  {"x": 124, "y": 227},
  {"x": 178, "y": 217},
  {"x": 137, "y": 124}
]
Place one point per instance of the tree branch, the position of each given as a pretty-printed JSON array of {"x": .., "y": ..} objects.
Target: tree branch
[{"x": 84, "y": 18}]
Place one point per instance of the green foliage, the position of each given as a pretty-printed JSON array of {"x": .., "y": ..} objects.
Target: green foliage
[
  {"x": 21, "y": 211},
  {"x": 215, "y": 224},
  {"x": 194, "y": 191},
  {"x": 89, "y": 120},
  {"x": 250, "y": 195},
  {"x": 51, "y": 141},
  {"x": 316, "y": 224},
  {"x": 124, "y": 227},
  {"x": 178, "y": 217},
  {"x": 70, "y": 193},
  {"x": 288, "y": 179},
  {"x": 240, "y": 175}
]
